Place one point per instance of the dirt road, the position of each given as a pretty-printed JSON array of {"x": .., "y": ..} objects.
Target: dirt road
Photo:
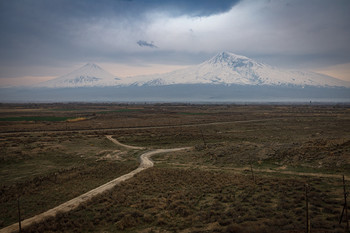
[
  {"x": 145, "y": 163},
  {"x": 143, "y": 127},
  {"x": 259, "y": 170},
  {"x": 123, "y": 145}
]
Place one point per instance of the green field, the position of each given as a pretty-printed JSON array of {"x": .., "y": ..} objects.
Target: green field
[{"x": 35, "y": 118}]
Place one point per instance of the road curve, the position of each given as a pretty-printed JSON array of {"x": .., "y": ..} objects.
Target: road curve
[
  {"x": 145, "y": 163},
  {"x": 123, "y": 145}
]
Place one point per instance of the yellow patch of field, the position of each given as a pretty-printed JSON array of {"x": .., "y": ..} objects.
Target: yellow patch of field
[{"x": 76, "y": 119}]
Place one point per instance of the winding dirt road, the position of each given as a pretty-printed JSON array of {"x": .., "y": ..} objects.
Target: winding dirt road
[
  {"x": 145, "y": 163},
  {"x": 123, "y": 145}
]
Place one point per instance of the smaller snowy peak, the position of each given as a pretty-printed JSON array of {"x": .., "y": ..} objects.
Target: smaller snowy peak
[{"x": 89, "y": 75}]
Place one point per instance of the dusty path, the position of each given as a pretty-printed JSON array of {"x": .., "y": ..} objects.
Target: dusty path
[
  {"x": 144, "y": 127},
  {"x": 123, "y": 145},
  {"x": 145, "y": 163},
  {"x": 312, "y": 174}
]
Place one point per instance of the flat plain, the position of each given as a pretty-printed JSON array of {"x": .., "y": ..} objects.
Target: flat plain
[{"x": 248, "y": 168}]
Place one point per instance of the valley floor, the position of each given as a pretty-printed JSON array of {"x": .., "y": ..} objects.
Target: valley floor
[{"x": 246, "y": 172}]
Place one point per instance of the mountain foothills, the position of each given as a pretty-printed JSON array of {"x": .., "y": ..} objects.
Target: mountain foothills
[{"x": 223, "y": 69}]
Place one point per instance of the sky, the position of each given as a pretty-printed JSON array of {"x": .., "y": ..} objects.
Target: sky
[{"x": 40, "y": 39}]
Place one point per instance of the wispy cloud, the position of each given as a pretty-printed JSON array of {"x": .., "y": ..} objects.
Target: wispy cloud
[{"x": 143, "y": 43}]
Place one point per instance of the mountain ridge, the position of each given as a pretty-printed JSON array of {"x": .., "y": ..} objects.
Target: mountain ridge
[
  {"x": 225, "y": 68},
  {"x": 228, "y": 68}
]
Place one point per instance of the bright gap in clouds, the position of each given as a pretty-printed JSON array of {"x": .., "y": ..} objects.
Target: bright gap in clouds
[
  {"x": 189, "y": 34},
  {"x": 243, "y": 30},
  {"x": 300, "y": 38}
]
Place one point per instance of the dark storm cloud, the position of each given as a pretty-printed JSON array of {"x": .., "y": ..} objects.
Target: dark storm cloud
[
  {"x": 41, "y": 31},
  {"x": 196, "y": 8},
  {"x": 60, "y": 32},
  {"x": 143, "y": 43}
]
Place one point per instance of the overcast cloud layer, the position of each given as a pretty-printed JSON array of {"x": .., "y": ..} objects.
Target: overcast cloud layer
[{"x": 38, "y": 36}]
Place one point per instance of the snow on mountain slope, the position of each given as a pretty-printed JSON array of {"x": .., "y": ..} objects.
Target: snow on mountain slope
[
  {"x": 228, "y": 68},
  {"x": 224, "y": 68},
  {"x": 90, "y": 75}
]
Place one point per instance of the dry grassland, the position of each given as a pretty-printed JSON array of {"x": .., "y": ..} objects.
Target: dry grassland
[{"x": 246, "y": 171}]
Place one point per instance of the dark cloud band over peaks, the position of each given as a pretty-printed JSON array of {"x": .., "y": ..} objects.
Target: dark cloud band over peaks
[
  {"x": 47, "y": 33},
  {"x": 194, "y": 8},
  {"x": 49, "y": 28}
]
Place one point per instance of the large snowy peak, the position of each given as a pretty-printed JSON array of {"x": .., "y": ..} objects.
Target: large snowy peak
[
  {"x": 90, "y": 75},
  {"x": 228, "y": 68}
]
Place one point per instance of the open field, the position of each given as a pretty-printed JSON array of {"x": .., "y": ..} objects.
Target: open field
[
  {"x": 45, "y": 170},
  {"x": 195, "y": 200},
  {"x": 208, "y": 188}
]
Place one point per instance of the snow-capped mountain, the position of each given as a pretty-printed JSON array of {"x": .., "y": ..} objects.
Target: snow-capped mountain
[
  {"x": 229, "y": 69},
  {"x": 224, "y": 78},
  {"x": 224, "y": 69},
  {"x": 90, "y": 75}
]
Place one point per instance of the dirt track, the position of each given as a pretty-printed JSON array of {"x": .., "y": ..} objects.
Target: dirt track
[
  {"x": 244, "y": 169},
  {"x": 145, "y": 163},
  {"x": 123, "y": 145},
  {"x": 143, "y": 127}
]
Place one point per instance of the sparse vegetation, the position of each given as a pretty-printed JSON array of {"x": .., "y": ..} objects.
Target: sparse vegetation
[
  {"x": 46, "y": 170},
  {"x": 202, "y": 201},
  {"x": 209, "y": 188}
]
